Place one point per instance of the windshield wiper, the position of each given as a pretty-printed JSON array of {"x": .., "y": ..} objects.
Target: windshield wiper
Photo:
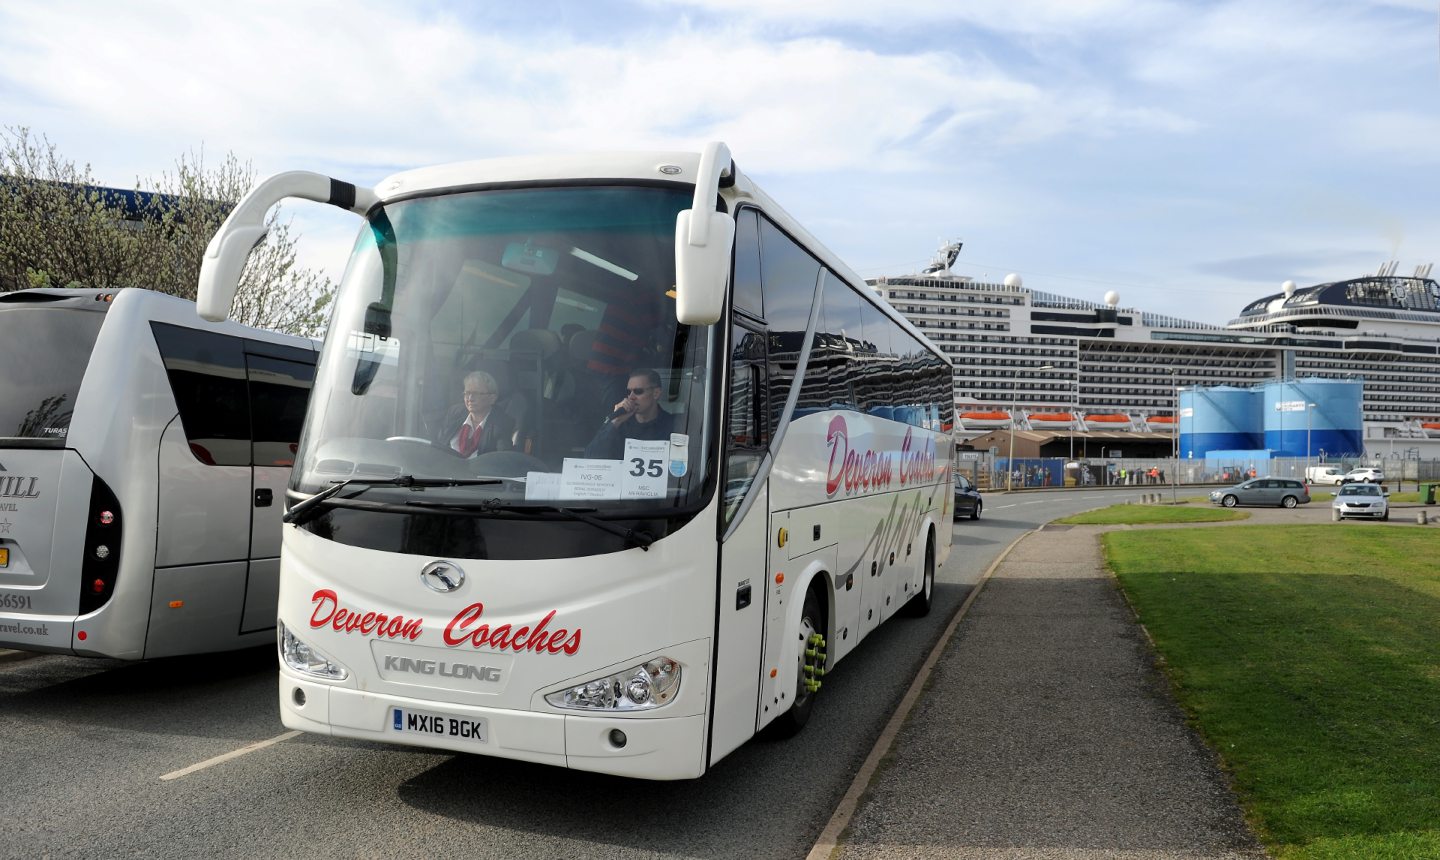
[
  {"x": 302, "y": 512},
  {"x": 638, "y": 538}
]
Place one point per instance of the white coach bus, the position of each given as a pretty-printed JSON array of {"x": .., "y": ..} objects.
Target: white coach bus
[
  {"x": 142, "y": 456},
  {"x": 705, "y": 490}
]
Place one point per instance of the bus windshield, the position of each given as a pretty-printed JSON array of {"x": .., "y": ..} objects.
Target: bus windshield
[
  {"x": 44, "y": 351},
  {"x": 526, "y": 334}
]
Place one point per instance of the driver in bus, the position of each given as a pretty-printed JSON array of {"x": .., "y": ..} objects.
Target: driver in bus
[
  {"x": 484, "y": 428},
  {"x": 638, "y": 416}
]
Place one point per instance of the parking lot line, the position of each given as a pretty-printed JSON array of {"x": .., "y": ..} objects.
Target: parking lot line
[{"x": 186, "y": 771}]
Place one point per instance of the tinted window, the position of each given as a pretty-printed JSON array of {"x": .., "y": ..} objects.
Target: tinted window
[
  {"x": 746, "y": 275},
  {"x": 789, "y": 275},
  {"x": 746, "y": 425},
  {"x": 279, "y": 393},
  {"x": 44, "y": 351},
  {"x": 207, "y": 377}
]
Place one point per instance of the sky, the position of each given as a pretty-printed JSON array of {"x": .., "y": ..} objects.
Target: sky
[{"x": 1190, "y": 156}]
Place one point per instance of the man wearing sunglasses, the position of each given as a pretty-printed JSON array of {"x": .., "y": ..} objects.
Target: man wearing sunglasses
[{"x": 638, "y": 416}]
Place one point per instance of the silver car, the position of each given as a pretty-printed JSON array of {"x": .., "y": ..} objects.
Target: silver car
[
  {"x": 1362, "y": 500},
  {"x": 1285, "y": 492}
]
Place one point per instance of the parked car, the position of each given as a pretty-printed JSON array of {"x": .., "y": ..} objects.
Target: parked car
[
  {"x": 1366, "y": 475},
  {"x": 1286, "y": 492},
  {"x": 1325, "y": 475},
  {"x": 1362, "y": 500},
  {"x": 967, "y": 498}
]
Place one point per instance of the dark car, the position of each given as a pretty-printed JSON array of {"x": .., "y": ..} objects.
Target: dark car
[{"x": 967, "y": 499}]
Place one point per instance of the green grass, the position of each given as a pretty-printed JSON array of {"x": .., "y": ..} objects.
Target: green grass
[
  {"x": 1309, "y": 658},
  {"x": 1150, "y": 514}
]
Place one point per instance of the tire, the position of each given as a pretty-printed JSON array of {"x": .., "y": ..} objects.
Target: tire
[
  {"x": 1289, "y": 502},
  {"x": 1229, "y": 501},
  {"x": 919, "y": 604},
  {"x": 812, "y": 627},
  {"x": 1385, "y": 517},
  {"x": 975, "y": 514}
]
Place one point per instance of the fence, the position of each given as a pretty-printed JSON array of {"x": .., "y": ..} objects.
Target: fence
[{"x": 1000, "y": 473}]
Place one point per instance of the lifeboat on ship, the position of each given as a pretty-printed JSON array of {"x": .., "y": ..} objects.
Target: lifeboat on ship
[
  {"x": 1431, "y": 429},
  {"x": 1108, "y": 421},
  {"x": 984, "y": 420},
  {"x": 1051, "y": 420},
  {"x": 1161, "y": 423}
]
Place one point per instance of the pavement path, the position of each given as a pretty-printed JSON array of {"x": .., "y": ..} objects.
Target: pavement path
[{"x": 1046, "y": 731}]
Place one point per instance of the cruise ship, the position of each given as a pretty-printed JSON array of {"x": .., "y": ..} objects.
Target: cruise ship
[{"x": 1071, "y": 366}]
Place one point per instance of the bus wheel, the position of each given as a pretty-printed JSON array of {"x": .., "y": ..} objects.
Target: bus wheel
[
  {"x": 810, "y": 662},
  {"x": 919, "y": 603}
]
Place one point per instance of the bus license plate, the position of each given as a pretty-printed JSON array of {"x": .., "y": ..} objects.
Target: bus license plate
[
  {"x": 4, "y": 556},
  {"x": 407, "y": 722}
]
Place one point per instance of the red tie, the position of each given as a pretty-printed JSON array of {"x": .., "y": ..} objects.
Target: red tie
[{"x": 470, "y": 441}]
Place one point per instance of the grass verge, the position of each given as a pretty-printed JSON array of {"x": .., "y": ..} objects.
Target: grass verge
[
  {"x": 1309, "y": 658},
  {"x": 1151, "y": 514}
]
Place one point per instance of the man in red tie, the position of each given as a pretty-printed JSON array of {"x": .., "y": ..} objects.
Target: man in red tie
[{"x": 484, "y": 428}]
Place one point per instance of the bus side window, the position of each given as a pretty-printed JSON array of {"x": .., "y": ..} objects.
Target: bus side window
[
  {"x": 279, "y": 393},
  {"x": 747, "y": 428},
  {"x": 746, "y": 274},
  {"x": 207, "y": 377},
  {"x": 789, "y": 274}
]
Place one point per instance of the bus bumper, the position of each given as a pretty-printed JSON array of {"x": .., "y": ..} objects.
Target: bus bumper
[{"x": 661, "y": 748}]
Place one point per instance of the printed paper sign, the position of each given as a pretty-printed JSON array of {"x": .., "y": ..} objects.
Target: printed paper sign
[
  {"x": 645, "y": 468},
  {"x": 542, "y": 485},
  {"x": 590, "y": 479}
]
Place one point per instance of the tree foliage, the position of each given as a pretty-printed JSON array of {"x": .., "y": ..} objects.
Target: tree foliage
[{"x": 58, "y": 228}]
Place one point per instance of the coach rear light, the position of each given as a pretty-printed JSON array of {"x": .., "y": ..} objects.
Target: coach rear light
[
  {"x": 104, "y": 542},
  {"x": 640, "y": 688},
  {"x": 306, "y": 659}
]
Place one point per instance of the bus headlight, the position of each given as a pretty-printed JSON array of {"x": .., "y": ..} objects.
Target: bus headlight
[
  {"x": 306, "y": 659},
  {"x": 636, "y": 689}
]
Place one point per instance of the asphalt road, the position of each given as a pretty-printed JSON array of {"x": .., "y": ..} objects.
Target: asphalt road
[{"x": 101, "y": 758}]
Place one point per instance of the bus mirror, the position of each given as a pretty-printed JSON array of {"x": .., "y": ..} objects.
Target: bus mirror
[
  {"x": 702, "y": 270},
  {"x": 221, "y": 267},
  {"x": 225, "y": 256}
]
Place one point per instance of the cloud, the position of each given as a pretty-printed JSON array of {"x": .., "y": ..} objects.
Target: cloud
[{"x": 1301, "y": 266}]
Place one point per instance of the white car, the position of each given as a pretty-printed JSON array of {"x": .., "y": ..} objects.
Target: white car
[
  {"x": 1325, "y": 475},
  {"x": 1361, "y": 500},
  {"x": 1364, "y": 474}
]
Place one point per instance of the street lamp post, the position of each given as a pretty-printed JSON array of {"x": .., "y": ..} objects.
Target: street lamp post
[
  {"x": 1075, "y": 412},
  {"x": 1010, "y": 460},
  {"x": 1175, "y": 439}
]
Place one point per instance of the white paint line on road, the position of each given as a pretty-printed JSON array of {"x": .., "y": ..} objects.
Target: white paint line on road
[
  {"x": 830, "y": 837},
  {"x": 8, "y": 656},
  {"x": 259, "y": 745}
]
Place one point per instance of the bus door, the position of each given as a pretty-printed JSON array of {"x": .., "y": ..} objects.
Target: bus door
[
  {"x": 279, "y": 390},
  {"x": 744, "y": 562}
]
